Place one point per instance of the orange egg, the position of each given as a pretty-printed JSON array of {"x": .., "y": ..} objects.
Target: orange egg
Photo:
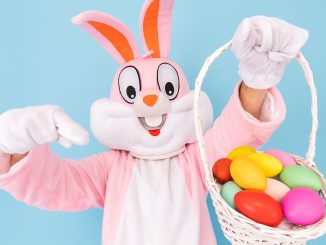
[
  {"x": 259, "y": 207},
  {"x": 221, "y": 170}
]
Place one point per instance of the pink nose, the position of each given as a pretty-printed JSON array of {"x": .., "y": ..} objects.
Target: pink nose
[{"x": 150, "y": 99}]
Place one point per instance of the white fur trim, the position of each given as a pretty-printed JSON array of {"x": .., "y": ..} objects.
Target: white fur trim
[{"x": 116, "y": 126}]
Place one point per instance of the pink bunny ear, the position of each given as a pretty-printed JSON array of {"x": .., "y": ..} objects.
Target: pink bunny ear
[
  {"x": 116, "y": 37},
  {"x": 156, "y": 27}
]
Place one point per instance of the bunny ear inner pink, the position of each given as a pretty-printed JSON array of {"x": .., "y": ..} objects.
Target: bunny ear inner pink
[
  {"x": 116, "y": 37},
  {"x": 156, "y": 27}
]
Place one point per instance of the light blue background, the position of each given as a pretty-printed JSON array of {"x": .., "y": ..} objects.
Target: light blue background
[{"x": 45, "y": 59}]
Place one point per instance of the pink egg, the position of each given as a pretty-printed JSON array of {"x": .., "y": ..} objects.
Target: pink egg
[
  {"x": 303, "y": 206},
  {"x": 276, "y": 189},
  {"x": 285, "y": 158}
]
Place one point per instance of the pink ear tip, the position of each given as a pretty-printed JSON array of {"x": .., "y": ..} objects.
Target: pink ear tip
[{"x": 77, "y": 20}]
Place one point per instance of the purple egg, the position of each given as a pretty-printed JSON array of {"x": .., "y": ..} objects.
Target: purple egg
[
  {"x": 285, "y": 158},
  {"x": 303, "y": 206}
]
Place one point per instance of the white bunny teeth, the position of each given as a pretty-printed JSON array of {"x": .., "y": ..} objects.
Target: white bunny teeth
[{"x": 153, "y": 121}]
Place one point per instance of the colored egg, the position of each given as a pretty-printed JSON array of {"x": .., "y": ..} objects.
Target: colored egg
[
  {"x": 259, "y": 207},
  {"x": 228, "y": 191},
  {"x": 241, "y": 151},
  {"x": 221, "y": 170},
  {"x": 303, "y": 206},
  {"x": 285, "y": 158},
  {"x": 276, "y": 189},
  {"x": 248, "y": 174},
  {"x": 295, "y": 176},
  {"x": 271, "y": 165}
]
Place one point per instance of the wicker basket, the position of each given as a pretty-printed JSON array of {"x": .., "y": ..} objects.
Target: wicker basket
[{"x": 237, "y": 228}]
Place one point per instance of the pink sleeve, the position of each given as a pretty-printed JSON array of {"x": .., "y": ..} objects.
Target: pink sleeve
[
  {"x": 44, "y": 180},
  {"x": 236, "y": 127}
]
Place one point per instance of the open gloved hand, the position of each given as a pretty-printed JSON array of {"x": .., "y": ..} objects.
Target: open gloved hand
[
  {"x": 264, "y": 46},
  {"x": 21, "y": 130}
]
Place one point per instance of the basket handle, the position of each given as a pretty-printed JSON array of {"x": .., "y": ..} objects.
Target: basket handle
[{"x": 314, "y": 108}]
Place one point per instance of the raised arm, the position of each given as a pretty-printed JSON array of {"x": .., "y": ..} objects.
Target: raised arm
[
  {"x": 32, "y": 174},
  {"x": 235, "y": 126},
  {"x": 264, "y": 46},
  {"x": 252, "y": 99}
]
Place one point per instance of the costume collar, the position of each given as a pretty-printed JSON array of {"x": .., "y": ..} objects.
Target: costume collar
[{"x": 159, "y": 157}]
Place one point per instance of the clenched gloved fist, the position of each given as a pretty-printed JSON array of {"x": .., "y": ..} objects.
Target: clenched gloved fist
[
  {"x": 264, "y": 46},
  {"x": 21, "y": 130}
]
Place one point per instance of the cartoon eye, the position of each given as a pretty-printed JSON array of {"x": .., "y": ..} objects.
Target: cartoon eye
[
  {"x": 168, "y": 80},
  {"x": 129, "y": 84}
]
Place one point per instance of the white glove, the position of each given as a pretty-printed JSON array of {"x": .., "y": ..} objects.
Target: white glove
[
  {"x": 21, "y": 130},
  {"x": 264, "y": 45}
]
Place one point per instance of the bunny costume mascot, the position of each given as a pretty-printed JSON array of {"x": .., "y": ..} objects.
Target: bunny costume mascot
[{"x": 151, "y": 182}]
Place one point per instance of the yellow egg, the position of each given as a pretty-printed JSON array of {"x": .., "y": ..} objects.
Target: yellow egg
[
  {"x": 247, "y": 174},
  {"x": 241, "y": 151},
  {"x": 269, "y": 164}
]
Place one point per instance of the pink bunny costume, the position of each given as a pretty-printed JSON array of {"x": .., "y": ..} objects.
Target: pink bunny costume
[{"x": 151, "y": 183}]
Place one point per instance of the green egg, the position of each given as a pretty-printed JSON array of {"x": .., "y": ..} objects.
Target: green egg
[
  {"x": 295, "y": 176},
  {"x": 228, "y": 191}
]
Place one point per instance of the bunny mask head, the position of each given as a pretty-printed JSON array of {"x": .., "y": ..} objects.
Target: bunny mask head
[{"x": 150, "y": 109}]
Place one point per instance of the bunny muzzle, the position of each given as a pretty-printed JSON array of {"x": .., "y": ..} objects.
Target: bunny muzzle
[
  {"x": 152, "y": 126},
  {"x": 151, "y": 110}
]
